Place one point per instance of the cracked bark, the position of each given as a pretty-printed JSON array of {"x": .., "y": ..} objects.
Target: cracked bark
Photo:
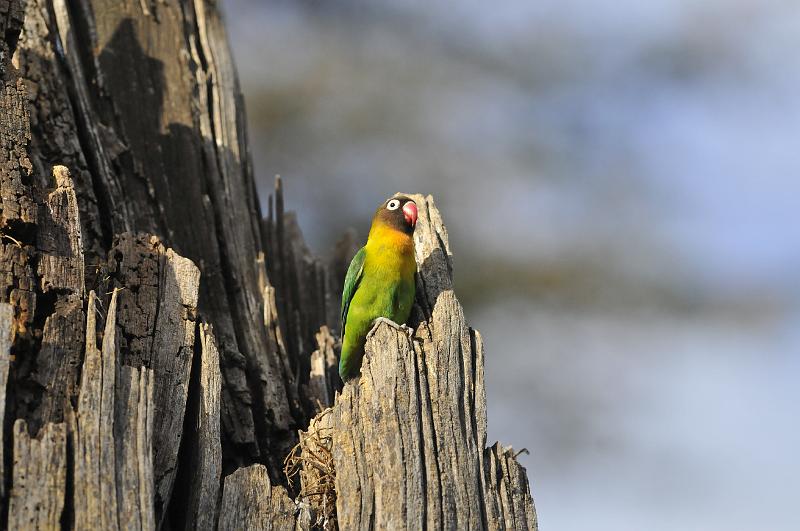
[{"x": 161, "y": 342}]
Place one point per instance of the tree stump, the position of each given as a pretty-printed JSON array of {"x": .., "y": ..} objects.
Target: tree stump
[{"x": 162, "y": 341}]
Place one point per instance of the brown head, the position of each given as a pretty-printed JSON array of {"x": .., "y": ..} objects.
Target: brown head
[{"x": 399, "y": 213}]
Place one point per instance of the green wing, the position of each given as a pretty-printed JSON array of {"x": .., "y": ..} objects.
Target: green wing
[{"x": 351, "y": 281}]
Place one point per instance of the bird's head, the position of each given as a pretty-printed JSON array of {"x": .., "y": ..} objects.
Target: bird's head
[{"x": 398, "y": 212}]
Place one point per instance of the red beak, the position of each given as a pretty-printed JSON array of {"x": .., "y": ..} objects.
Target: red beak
[{"x": 410, "y": 213}]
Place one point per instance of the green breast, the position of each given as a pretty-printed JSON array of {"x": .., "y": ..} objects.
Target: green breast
[
  {"x": 386, "y": 288},
  {"x": 382, "y": 295}
]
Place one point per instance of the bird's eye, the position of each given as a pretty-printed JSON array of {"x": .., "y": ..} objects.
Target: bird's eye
[{"x": 394, "y": 204}]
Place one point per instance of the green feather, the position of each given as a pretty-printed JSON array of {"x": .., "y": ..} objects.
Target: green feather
[
  {"x": 351, "y": 280},
  {"x": 379, "y": 283}
]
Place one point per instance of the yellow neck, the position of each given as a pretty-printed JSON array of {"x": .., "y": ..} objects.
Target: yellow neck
[{"x": 383, "y": 238}]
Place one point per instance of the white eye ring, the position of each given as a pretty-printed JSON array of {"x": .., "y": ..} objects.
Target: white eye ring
[{"x": 394, "y": 204}]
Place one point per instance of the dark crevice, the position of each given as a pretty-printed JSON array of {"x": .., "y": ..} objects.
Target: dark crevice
[
  {"x": 68, "y": 514},
  {"x": 19, "y": 232},
  {"x": 199, "y": 46},
  {"x": 462, "y": 390},
  {"x": 11, "y": 37},
  {"x": 445, "y": 255},
  {"x": 421, "y": 433},
  {"x": 46, "y": 306},
  {"x": 177, "y": 509},
  {"x": 423, "y": 303},
  {"x": 81, "y": 20},
  {"x": 479, "y": 443}
]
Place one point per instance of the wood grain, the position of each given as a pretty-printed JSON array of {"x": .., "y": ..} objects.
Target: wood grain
[
  {"x": 39, "y": 478},
  {"x": 250, "y": 502}
]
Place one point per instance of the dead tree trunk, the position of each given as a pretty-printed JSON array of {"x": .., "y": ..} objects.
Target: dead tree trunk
[{"x": 161, "y": 342}]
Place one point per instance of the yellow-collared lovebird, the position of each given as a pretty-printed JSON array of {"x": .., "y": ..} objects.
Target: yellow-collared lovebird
[{"x": 380, "y": 280}]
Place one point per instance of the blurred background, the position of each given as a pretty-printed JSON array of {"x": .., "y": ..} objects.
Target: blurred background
[{"x": 621, "y": 184}]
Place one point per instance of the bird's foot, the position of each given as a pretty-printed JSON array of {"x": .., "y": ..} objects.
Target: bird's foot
[{"x": 401, "y": 327}]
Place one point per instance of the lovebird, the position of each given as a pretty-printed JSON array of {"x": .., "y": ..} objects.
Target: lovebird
[{"x": 380, "y": 281}]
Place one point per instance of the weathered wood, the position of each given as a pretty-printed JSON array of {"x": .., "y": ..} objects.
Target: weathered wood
[
  {"x": 100, "y": 146},
  {"x": 59, "y": 237},
  {"x": 249, "y": 501},
  {"x": 158, "y": 309},
  {"x": 18, "y": 213},
  {"x": 18, "y": 210},
  {"x": 507, "y": 493},
  {"x": 6, "y": 329},
  {"x": 55, "y": 114},
  {"x": 40, "y": 471},
  {"x": 61, "y": 273},
  {"x": 275, "y": 339},
  {"x": 133, "y": 433},
  {"x": 173, "y": 344},
  {"x": 324, "y": 376},
  {"x": 207, "y": 461},
  {"x": 112, "y": 436},
  {"x": 92, "y": 428},
  {"x": 143, "y": 104}
]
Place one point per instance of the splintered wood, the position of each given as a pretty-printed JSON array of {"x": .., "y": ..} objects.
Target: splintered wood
[{"x": 112, "y": 436}]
